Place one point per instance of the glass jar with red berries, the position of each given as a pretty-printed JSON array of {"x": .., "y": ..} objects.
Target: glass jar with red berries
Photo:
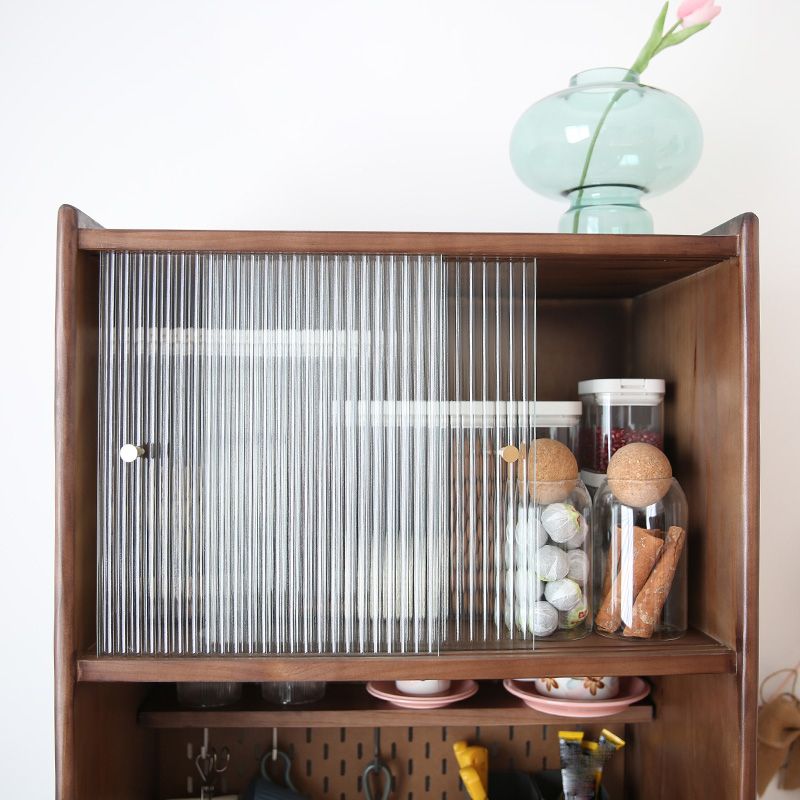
[{"x": 616, "y": 412}]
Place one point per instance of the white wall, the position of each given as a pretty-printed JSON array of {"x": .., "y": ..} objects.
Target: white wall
[{"x": 346, "y": 115}]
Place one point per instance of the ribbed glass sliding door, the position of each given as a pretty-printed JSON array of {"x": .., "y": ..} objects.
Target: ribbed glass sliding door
[
  {"x": 300, "y": 453},
  {"x": 492, "y": 356}
]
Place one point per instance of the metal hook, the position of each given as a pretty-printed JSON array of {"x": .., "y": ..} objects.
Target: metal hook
[
  {"x": 226, "y": 759},
  {"x": 380, "y": 769}
]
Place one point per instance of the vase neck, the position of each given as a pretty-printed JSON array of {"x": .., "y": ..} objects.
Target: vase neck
[
  {"x": 604, "y": 75},
  {"x": 606, "y": 209},
  {"x": 602, "y": 195}
]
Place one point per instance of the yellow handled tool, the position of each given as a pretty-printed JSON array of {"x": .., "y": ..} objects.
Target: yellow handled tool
[
  {"x": 473, "y": 762},
  {"x": 472, "y": 783}
]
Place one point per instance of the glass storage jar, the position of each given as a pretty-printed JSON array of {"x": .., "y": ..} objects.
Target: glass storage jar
[
  {"x": 616, "y": 412},
  {"x": 548, "y": 579},
  {"x": 640, "y": 559},
  {"x": 204, "y": 694},
  {"x": 292, "y": 693},
  {"x": 559, "y": 420}
]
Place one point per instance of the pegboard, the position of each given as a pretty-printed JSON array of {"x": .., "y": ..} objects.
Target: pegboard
[{"x": 328, "y": 762}]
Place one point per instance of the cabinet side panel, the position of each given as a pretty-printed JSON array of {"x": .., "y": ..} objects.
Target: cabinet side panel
[
  {"x": 746, "y": 227},
  {"x": 689, "y": 750},
  {"x": 114, "y": 758},
  {"x": 75, "y": 454},
  {"x": 690, "y": 334},
  {"x": 697, "y": 334}
]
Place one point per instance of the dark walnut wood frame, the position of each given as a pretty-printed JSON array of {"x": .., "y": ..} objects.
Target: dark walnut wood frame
[{"x": 681, "y": 307}]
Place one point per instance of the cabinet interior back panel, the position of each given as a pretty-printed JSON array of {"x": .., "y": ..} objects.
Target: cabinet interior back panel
[{"x": 315, "y": 451}]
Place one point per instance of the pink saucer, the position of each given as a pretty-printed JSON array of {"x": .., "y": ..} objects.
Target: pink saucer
[
  {"x": 630, "y": 691},
  {"x": 386, "y": 690}
]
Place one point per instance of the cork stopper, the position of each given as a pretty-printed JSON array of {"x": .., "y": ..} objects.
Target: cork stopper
[
  {"x": 552, "y": 471},
  {"x": 639, "y": 474}
]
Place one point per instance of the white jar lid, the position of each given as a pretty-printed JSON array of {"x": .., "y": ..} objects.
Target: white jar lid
[
  {"x": 624, "y": 391},
  {"x": 541, "y": 414},
  {"x": 461, "y": 414},
  {"x": 557, "y": 413}
]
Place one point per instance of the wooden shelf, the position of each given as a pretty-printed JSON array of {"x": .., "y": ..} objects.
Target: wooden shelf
[
  {"x": 585, "y": 266},
  {"x": 695, "y": 653},
  {"x": 349, "y": 705}
]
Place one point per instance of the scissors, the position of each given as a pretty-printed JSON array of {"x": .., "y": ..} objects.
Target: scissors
[
  {"x": 209, "y": 764},
  {"x": 382, "y": 772}
]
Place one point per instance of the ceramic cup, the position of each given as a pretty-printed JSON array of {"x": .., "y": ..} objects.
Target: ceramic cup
[
  {"x": 578, "y": 688},
  {"x": 422, "y": 688}
]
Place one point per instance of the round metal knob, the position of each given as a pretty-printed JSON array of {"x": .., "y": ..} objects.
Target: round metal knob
[{"x": 130, "y": 452}]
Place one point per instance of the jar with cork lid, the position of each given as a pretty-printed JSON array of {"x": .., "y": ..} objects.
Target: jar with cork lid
[
  {"x": 548, "y": 556},
  {"x": 640, "y": 518}
]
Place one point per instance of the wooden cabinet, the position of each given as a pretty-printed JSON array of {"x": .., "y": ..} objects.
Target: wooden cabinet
[{"x": 684, "y": 308}]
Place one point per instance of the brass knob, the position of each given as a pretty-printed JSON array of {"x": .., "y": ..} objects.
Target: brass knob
[{"x": 509, "y": 453}]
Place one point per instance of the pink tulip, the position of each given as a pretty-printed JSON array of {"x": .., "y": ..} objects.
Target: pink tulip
[{"x": 696, "y": 12}]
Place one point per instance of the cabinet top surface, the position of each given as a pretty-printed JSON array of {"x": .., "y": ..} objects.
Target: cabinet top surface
[
  {"x": 709, "y": 248},
  {"x": 592, "y": 266}
]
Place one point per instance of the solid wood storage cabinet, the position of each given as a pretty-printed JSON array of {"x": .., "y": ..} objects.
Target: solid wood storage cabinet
[{"x": 684, "y": 308}]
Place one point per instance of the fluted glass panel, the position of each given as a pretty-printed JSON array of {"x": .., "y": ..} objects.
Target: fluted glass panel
[
  {"x": 492, "y": 349},
  {"x": 300, "y": 453}
]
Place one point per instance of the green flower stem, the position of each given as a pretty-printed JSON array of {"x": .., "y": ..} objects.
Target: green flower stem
[
  {"x": 670, "y": 31},
  {"x": 590, "y": 152}
]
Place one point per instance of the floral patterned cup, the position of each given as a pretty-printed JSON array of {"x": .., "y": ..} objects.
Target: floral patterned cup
[{"x": 578, "y": 688}]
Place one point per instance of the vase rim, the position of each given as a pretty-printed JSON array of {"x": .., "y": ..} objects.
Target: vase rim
[{"x": 588, "y": 77}]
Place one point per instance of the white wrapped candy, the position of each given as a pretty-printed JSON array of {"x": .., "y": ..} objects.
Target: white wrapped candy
[
  {"x": 529, "y": 529},
  {"x": 508, "y": 615},
  {"x": 574, "y": 617},
  {"x": 526, "y": 590},
  {"x": 516, "y": 556},
  {"x": 551, "y": 563},
  {"x": 543, "y": 618},
  {"x": 577, "y": 540},
  {"x": 528, "y": 586},
  {"x": 578, "y": 566},
  {"x": 562, "y": 521},
  {"x": 526, "y": 534},
  {"x": 563, "y": 594}
]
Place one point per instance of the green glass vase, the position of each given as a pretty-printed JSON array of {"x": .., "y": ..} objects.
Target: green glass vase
[{"x": 604, "y": 143}]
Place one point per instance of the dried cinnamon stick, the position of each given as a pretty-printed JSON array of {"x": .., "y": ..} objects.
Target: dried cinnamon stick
[
  {"x": 639, "y": 551},
  {"x": 612, "y": 560},
  {"x": 650, "y": 601}
]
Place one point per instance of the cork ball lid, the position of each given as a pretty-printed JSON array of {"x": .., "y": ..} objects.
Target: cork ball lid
[
  {"x": 639, "y": 474},
  {"x": 639, "y": 462},
  {"x": 550, "y": 460},
  {"x": 552, "y": 470}
]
